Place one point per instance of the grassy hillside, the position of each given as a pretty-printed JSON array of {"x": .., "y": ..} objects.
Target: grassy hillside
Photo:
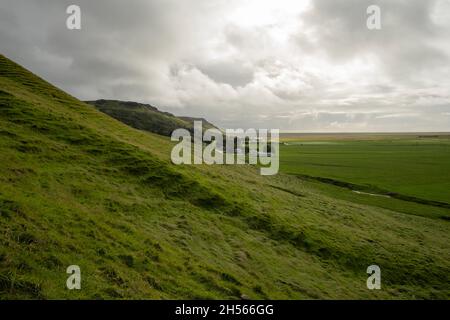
[
  {"x": 146, "y": 117},
  {"x": 79, "y": 187}
]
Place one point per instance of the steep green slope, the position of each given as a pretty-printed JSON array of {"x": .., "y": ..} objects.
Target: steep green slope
[
  {"x": 146, "y": 117},
  {"x": 80, "y": 188}
]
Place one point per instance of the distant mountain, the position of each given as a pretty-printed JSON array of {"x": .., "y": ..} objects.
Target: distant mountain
[
  {"x": 205, "y": 123},
  {"x": 146, "y": 117}
]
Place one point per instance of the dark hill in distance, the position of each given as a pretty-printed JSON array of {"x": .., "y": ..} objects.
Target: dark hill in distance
[
  {"x": 146, "y": 117},
  {"x": 205, "y": 123}
]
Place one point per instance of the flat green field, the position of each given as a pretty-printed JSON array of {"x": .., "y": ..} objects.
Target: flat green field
[{"x": 412, "y": 166}]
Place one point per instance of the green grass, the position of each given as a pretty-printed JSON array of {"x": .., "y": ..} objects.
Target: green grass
[
  {"x": 78, "y": 187},
  {"x": 416, "y": 167}
]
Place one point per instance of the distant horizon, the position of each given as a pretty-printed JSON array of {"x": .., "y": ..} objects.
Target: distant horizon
[
  {"x": 163, "y": 109},
  {"x": 166, "y": 109}
]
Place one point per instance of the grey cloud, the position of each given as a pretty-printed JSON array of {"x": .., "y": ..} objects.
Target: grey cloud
[
  {"x": 233, "y": 72},
  {"x": 407, "y": 46}
]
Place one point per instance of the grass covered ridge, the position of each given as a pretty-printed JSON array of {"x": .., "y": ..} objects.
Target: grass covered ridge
[
  {"x": 146, "y": 117},
  {"x": 78, "y": 187}
]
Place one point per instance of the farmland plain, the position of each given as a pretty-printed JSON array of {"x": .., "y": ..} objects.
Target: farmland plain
[{"x": 401, "y": 171}]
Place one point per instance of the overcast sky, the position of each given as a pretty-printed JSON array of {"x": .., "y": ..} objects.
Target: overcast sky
[{"x": 287, "y": 64}]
